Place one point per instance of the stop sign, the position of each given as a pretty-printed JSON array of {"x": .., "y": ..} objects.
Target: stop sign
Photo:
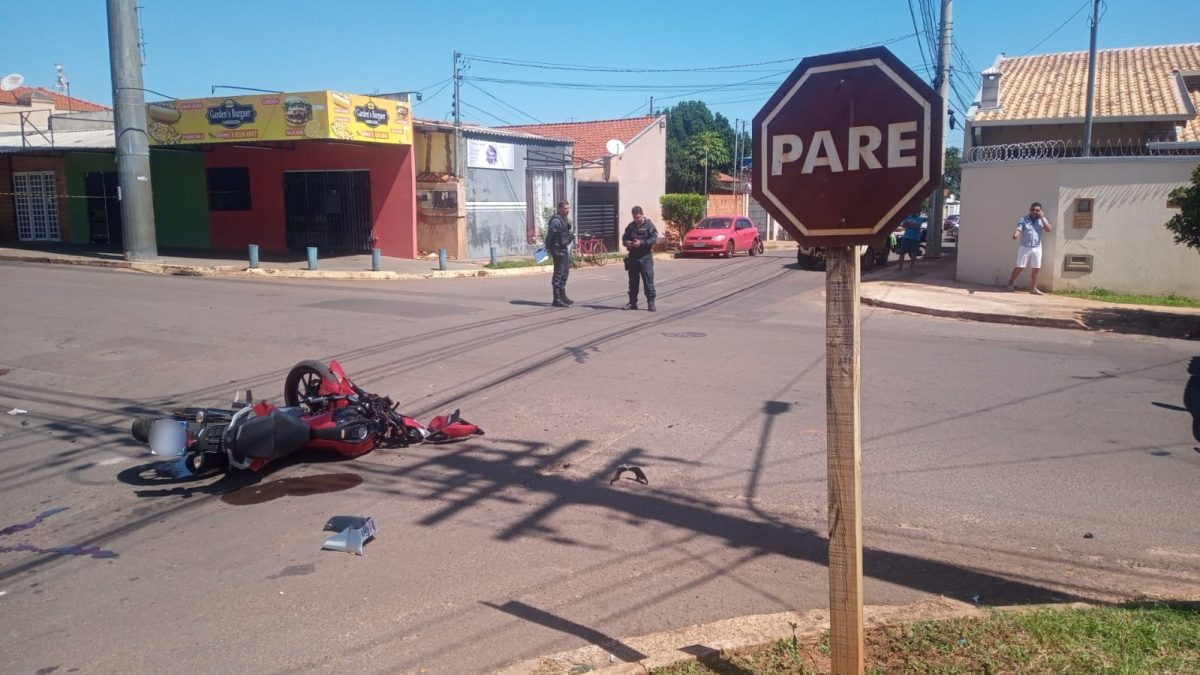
[{"x": 849, "y": 144}]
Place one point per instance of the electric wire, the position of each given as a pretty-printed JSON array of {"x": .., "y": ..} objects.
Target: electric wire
[
  {"x": 1060, "y": 27},
  {"x": 506, "y": 105},
  {"x": 498, "y": 119},
  {"x": 917, "y": 32}
]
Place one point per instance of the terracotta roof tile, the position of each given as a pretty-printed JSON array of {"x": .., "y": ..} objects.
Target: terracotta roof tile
[
  {"x": 590, "y": 137},
  {"x": 1190, "y": 132},
  {"x": 1134, "y": 82},
  {"x": 61, "y": 103}
]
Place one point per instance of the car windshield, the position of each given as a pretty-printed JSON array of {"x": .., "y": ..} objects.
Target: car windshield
[{"x": 714, "y": 224}]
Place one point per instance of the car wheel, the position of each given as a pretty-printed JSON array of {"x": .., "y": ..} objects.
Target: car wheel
[
  {"x": 806, "y": 262},
  {"x": 757, "y": 247},
  {"x": 729, "y": 250}
]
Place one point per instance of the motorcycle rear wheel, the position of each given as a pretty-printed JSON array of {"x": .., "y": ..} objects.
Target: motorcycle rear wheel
[{"x": 304, "y": 381}]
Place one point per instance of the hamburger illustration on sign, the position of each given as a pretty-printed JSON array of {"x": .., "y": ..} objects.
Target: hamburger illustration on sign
[
  {"x": 297, "y": 110},
  {"x": 370, "y": 114},
  {"x": 231, "y": 114}
]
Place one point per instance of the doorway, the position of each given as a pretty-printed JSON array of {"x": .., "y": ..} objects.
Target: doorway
[{"x": 330, "y": 210}]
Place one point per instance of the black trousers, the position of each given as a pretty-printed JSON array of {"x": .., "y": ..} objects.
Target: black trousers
[
  {"x": 562, "y": 267},
  {"x": 641, "y": 269}
]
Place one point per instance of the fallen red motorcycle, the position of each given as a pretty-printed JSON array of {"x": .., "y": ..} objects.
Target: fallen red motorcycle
[{"x": 322, "y": 409}]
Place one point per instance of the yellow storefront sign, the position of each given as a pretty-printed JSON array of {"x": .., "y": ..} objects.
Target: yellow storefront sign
[{"x": 322, "y": 115}]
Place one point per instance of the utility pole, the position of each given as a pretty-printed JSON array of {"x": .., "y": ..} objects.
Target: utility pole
[
  {"x": 651, "y": 105},
  {"x": 933, "y": 233},
  {"x": 1091, "y": 85},
  {"x": 458, "y": 150},
  {"x": 133, "y": 146}
]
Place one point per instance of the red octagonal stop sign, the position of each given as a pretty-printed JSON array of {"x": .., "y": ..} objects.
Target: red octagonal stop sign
[{"x": 846, "y": 146}]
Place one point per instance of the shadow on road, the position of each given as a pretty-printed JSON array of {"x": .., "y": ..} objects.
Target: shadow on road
[
  {"x": 612, "y": 645},
  {"x": 1191, "y": 396},
  {"x": 1142, "y": 321}
]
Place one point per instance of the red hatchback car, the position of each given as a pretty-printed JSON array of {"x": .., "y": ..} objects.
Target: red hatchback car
[{"x": 723, "y": 235}]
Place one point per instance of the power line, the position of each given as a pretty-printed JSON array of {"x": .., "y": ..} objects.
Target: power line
[
  {"x": 1060, "y": 27},
  {"x": 499, "y": 119},
  {"x": 520, "y": 63},
  {"x": 506, "y": 105},
  {"x": 917, "y": 31},
  {"x": 431, "y": 86},
  {"x": 649, "y": 88},
  {"x": 434, "y": 94}
]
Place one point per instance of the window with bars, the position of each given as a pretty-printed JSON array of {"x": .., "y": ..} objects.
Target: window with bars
[
  {"x": 37, "y": 206},
  {"x": 229, "y": 189}
]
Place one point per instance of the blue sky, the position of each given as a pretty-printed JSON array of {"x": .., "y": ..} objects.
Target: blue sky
[{"x": 383, "y": 46}]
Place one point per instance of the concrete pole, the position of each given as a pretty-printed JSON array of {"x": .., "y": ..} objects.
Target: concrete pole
[
  {"x": 1091, "y": 85},
  {"x": 933, "y": 247},
  {"x": 459, "y": 161},
  {"x": 133, "y": 147}
]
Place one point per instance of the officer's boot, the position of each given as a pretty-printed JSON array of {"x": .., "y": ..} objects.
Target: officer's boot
[
  {"x": 650, "y": 305},
  {"x": 563, "y": 296},
  {"x": 558, "y": 299}
]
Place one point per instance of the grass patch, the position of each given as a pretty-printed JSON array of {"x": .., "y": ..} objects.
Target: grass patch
[
  {"x": 1105, "y": 295},
  {"x": 1132, "y": 639},
  {"x": 512, "y": 263}
]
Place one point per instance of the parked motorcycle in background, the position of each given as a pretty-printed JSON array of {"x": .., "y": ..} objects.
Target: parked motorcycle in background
[{"x": 322, "y": 409}]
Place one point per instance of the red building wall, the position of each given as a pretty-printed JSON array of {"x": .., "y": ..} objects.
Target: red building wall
[{"x": 393, "y": 192}]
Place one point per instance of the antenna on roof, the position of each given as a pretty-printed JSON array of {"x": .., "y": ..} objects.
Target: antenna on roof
[
  {"x": 63, "y": 84},
  {"x": 10, "y": 82}
]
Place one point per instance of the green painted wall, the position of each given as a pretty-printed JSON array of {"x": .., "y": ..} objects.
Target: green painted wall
[
  {"x": 180, "y": 197},
  {"x": 78, "y": 165}
]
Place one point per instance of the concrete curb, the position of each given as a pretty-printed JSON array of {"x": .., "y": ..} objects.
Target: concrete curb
[
  {"x": 692, "y": 642},
  {"x": 286, "y": 273},
  {"x": 1011, "y": 319}
]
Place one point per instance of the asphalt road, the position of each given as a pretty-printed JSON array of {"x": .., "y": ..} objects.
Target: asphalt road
[{"x": 988, "y": 452}]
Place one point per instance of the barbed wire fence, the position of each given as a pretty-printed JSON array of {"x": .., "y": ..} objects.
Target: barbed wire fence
[{"x": 1059, "y": 149}]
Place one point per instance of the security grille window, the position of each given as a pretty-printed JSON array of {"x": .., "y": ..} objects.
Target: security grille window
[
  {"x": 229, "y": 189},
  {"x": 37, "y": 206}
]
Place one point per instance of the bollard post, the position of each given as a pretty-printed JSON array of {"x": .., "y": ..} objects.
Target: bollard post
[
  {"x": 312, "y": 257},
  {"x": 493, "y": 252},
  {"x": 253, "y": 256},
  {"x": 375, "y": 261},
  {"x": 442, "y": 259}
]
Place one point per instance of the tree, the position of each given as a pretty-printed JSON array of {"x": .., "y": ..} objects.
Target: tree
[
  {"x": 1185, "y": 225},
  {"x": 953, "y": 170},
  {"x": 707, "y": 150},
  {"x": 685, "y": 121}
]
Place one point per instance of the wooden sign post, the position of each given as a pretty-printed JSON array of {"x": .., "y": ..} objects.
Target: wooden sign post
[
  {"x": 844, "y": 149},
  {"x": 843, "y": 444}
]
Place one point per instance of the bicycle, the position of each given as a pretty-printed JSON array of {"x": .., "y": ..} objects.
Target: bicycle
[{"x": 591, "y": 249}]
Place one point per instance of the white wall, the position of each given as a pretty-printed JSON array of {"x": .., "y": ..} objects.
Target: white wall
[
  {"x": 1132, "y": 250},
  {"x": 642, "y": 173}
]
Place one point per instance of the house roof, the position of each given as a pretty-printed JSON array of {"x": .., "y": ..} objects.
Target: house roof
[
  {"x": 95, "y": 139},
  {"x": 1137, "y": 83},
  {"x": 591, "y": 137},
  {"x": 61, "y": 102},
  {"x": 479, "y": 130},
  {"x": 1190, "y": 133}
]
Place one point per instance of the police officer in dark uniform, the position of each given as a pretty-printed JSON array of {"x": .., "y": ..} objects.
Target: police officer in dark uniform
[
  {"x": 559, "y": 238},
  {"x": 640, "y": 236}
]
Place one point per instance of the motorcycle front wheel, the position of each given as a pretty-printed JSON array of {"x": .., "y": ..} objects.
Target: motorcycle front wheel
[{"x": 304, "y": 382}]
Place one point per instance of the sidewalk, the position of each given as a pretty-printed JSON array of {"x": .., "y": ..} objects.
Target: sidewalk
[
  {"x": 931, "y": 289},
  {"x": 233, "y": 263}
]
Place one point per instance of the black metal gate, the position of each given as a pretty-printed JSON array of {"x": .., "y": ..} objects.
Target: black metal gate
[
  {"x": 328, "y": 209},
  {"x": 596, "y": 213},
  {"x": 103, "y": 207}
]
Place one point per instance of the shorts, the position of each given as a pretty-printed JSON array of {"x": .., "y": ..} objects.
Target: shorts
[
  {"x": 1029, "y": 255},
  {"x": 909, "y": 247}
]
